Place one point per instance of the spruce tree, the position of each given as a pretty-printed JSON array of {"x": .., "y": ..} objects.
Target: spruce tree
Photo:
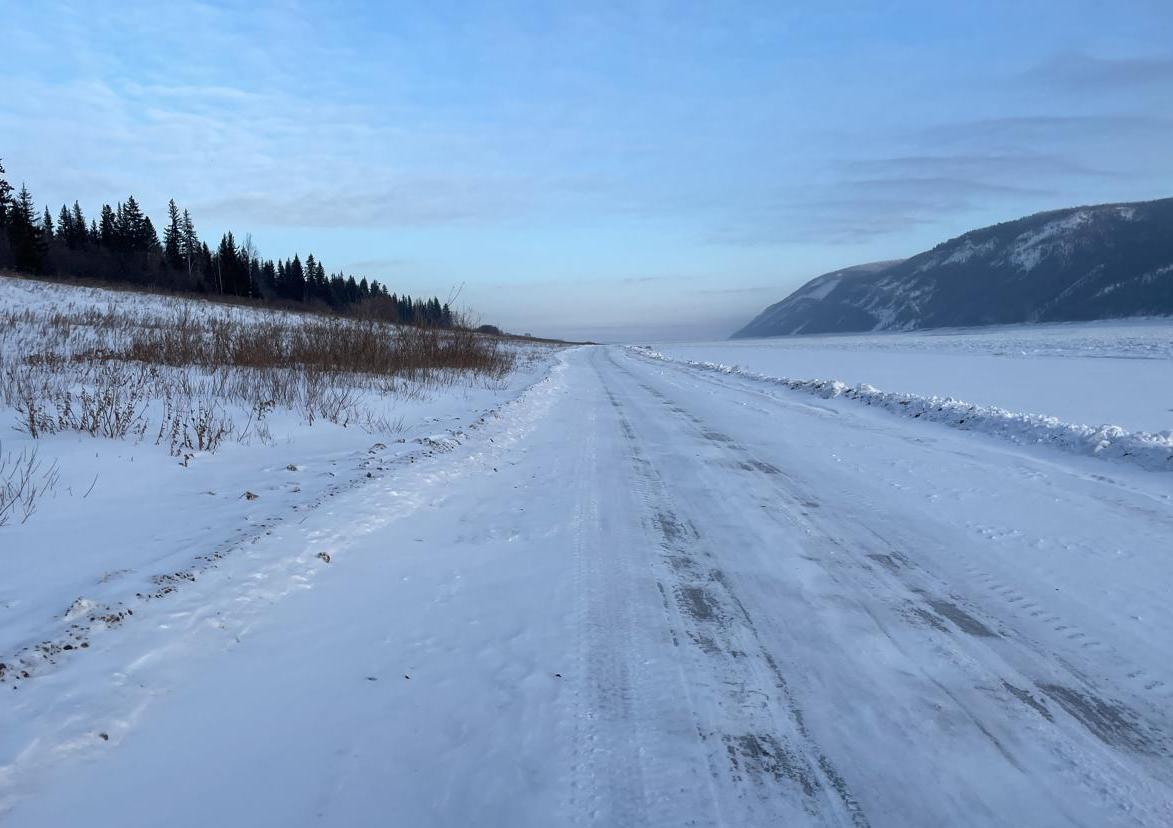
[
  {"x": 146, "y": 238},
  {"x": 5, "y": 196},
  {"x": 295, "y": 280},
  {"x": 172, "y": 243},
  {"x": 24, "y": 234},
  {"x": 189, "y": 244},
  {"x": 121, "y": 244},
  {"x": 107, "y": 228},
  {"x": 79, "y": 238},
  {"x": 132, "y": 227},
  {"x": 65, "y": 231}
]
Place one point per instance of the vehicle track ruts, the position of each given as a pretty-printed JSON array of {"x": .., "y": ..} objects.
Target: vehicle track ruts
[
  {"x": 758, "y": 744},
  {"x": 1036, "y": 678}
]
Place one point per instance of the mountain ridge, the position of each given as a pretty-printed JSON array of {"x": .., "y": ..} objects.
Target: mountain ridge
[{"x": 1073, "y": 264}]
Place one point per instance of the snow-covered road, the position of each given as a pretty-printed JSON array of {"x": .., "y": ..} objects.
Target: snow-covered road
[{"x": 648, "y": 595}]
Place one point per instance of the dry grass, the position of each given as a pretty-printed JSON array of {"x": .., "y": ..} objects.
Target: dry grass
[
  {"x": 191, "y": 379},
  {"x": 330, "y": 346}
]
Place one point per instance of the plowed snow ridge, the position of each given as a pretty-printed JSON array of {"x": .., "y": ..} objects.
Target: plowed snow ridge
[{"x": 1147, "y": 450}]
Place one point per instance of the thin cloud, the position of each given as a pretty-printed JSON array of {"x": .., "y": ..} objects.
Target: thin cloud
[
  {"x": 1034, "y": 127},
  {"x": 736, "y": 290},
  {"x": 384, "y": 264},
  {"x": 1078, "y": 71},
  {"x": 409, "y": 201},
  {"x": 969, "y": 165},
  {"x": 855, "y": 211}
]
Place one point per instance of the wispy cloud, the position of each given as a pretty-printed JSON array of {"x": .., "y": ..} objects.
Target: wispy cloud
[
  {"x": 855, "y": 210},
  {"x": 398, "y": 202},
  {"x": 1028, "y": 128},
  {"x": 382, "y": 265},
  {"x": 1079, "y": 71},
  {"x": 533, "y": 149},
  {"x": 735, "y": 291},
  {"x": 974, "y": 166}
]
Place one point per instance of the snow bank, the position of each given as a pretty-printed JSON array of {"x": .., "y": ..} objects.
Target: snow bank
[
  {"x": 1147, "y": 450},
  {"x": 145, "y": 499}
]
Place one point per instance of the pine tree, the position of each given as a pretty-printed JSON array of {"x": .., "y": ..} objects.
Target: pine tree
[
  {"x": 254, "y": 276},
  {"x": 146, "y": 238},
  {"x": 79, "y": 238},
  {"x": 225, "y": 263},
  {"x": 311, "y": 277},
  {"x": 295, "y": 280},
  {"x": 65, "y": 231},
  {"x": 268, "y": 282},
  {"x": 108, "y": 228},
  {"x": 132, "y": 227},
  {"x": 172, "y": 242},
  {"x": 24, "y": 234},
  {"x": 337, "y": 292},
  {"x": 118, "y": 237},
  {"x": 5, "y": 196},
  {"x": 189, "y": 243},
  {"x": 121, "y": 244}
]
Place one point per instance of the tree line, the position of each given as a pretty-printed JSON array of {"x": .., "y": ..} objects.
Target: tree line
[{"x": 121, "y": 244}]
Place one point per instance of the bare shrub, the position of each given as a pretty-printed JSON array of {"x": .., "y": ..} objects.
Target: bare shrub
[
  {"x": 331, "y": 346},
  {"x": 201, "y": 426},
  {"x": 119, "y": 371},
  {"x": 24, "y": 480},
  {"x": 111, "y": 404}
]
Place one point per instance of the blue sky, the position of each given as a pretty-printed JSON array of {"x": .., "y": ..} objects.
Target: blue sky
[{"x": 617, "y": 171}]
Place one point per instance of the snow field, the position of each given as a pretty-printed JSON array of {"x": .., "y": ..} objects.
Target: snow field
[
  {"x": 159, "y": 471},
  {"x": 1102, "y": 389}
]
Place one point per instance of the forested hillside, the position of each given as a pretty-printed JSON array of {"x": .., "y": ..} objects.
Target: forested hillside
[{"x": 120, "y": 244}]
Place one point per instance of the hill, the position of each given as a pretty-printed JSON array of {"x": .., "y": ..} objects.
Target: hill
[{"x": 1083, "y": 263}]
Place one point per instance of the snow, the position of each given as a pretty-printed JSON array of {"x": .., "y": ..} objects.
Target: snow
[
  {"x": 1030, "y": 248},
  {"x": 21, "y": 295},
  {"x": 82, "y": 564},
  {"x": 1099, "y": 373},
  {"x": 822, "y": 289},
  {"x": 963, "y": 253},
  {"x": 968, "y": 250},
  {"x": 1151, "y": 451},
  {"x": 1144, "y": 279},
  {"x": 630, "y": 591}
]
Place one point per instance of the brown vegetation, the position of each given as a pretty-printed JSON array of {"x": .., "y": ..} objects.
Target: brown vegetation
[{"x": 186, "y": 375}]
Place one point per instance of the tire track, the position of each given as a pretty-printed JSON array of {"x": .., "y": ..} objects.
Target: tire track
[
  {"x": 606, "y": 785},
  {"x": 1032, "y": 678},
  {"x": 759, "y": 746}
]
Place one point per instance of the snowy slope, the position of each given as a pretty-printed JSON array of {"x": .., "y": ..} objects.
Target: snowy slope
[
  {"x": 1102, "y": 262},
  {"x": 647, "y": 594},
  {"x": 808, "y": 306}
]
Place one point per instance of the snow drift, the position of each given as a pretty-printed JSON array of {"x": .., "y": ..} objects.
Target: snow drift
[{"x": 1153, "y": 451}]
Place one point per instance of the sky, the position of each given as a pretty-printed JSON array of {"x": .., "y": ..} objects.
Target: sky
[{"x": 612, "y": 171}]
